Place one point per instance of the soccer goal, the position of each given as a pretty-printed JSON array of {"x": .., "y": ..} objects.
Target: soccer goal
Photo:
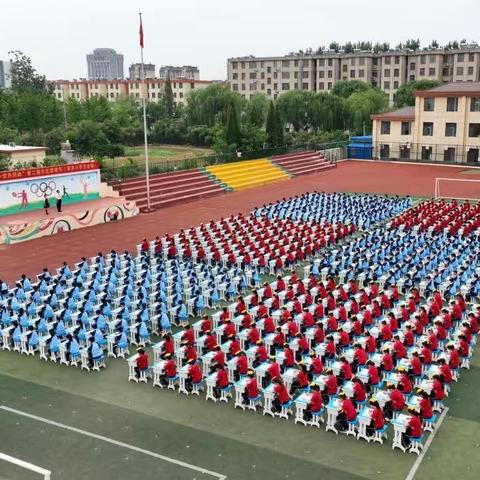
[
  {"x": 458, "y": 188},
  {"x": 46, "y": 474}
]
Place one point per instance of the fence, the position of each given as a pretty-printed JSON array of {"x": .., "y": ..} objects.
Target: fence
[
  {"x": 447, "y": 154},
  {"x": 332, "y": 151}
]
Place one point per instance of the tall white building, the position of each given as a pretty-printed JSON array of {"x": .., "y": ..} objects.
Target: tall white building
[
  {"x": 105, "y": 64},
  {"x": 5, "y": 69}
]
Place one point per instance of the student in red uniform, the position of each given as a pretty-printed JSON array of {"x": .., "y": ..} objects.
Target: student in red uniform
[
  {"x": 415, "y": 365},
  {"x": 253, "y": 335},
  {"x": 301, "y": 381},
  {"x": 316, "y": 402},
  {"x": 404, "y": 383},
  {"x": 206, "y": 324},
  {"x": 319, "y": 334},
  {"x": 268, "y": 324},
  {"x": 229, "y": 330},
  {"x": 281, "y": 394},
  {"x": 426, "y": 407},
  {"x": 346, "y": 414},
  {"x": 331, "y": 385},
  {"x": 438, "y": 392},
  {"x": 261, "y": 354},
  {"x": 316, "y": 366},
  {"x": 169, "y": 369},
  {"x": 194, "y": 375},
  {"x": 242, "y": 365},
  {"x": 360, "y": 356},
  {"x": 190, "y": 352},
  {"x": 387, "y": 360},
  {"x": 168, "y": 345},
  {"x": 188, "y": 334},
  {"x": 210, "y": 342},
  {"x": 219, "y": 356},
  {"x": 414, "y": 428},
  {"x": 141, "y": 363},
  {"x": 377, "y": 419},
  {"x": 251, "y": 388},
  {"x": 445, "y": 371},
  {"x": 330, "y": 348},
  {"x": 373, "y": 375},
  {"x": 453, "y": 357},
  {"x": 346, "y": 373},
  {"x": 221, "y": 381},
  {"x": 370, "y": 346},
  {"x": 332, "y": 324},
  {"x": 224, "y": 315},
  {"x": 359, "y": 391},
  {"x": 396, "y": 403},
  {"x": 289, "y": 359},
  {"x": 273, "y": 371},
  {"x": 399, "y": 350}
]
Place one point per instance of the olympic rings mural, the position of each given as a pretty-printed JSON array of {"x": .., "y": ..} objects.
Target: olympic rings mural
[{"x": 43, "y": 188}]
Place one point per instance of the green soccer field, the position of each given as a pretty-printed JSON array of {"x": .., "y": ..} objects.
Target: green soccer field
[{"x": 169, "y": 428}]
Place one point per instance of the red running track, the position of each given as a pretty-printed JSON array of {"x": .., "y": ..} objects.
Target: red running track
[{"x": 350, "y": 176}]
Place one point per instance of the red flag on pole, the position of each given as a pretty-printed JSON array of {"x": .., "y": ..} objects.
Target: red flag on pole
[{"x": 141, "y": 33}]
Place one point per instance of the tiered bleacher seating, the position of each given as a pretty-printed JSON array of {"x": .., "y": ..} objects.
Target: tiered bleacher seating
[
  {"x": 169, "y": 188},
  {"x": 303, "y": 162},
  {"x": 247, "y": 174}
]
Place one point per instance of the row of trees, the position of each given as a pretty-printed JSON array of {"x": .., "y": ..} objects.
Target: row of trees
[
  {"x": 378, "y": 47},
  {"x": 213, "y": 117}
]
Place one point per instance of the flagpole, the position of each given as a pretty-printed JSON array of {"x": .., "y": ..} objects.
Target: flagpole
[{"x": 144, "y": 104}]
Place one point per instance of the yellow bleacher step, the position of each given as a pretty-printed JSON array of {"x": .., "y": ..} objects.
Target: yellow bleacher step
[{"x": 247, "y": 174}]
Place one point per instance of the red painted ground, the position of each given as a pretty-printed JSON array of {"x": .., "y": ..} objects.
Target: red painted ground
[{"x": 351, "y": 176}]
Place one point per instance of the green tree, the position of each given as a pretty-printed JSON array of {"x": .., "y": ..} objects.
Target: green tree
[
  {"x": 167, "y": 98},
  {"x": 97, "y": 109},
  {"x": 54, "y": 138},
  {"x": 232, "y": 130},
  {"x": 296, "y": 108},
  {"x": 344, "y": 88},
  {"x": 279, "y": 137},
  {"x": 88, "y": 138},
  {"x": 335, "y": 46},
  {"x": 361, "y": 105},
  {"x": 348, "y": 47},
  {"x": 271, "y": 126},
  {"x": 413, "y": 44},
  {"x": 405, "y": 94},
  {"x": 23, "y": 76},
  {"x": 256, "y": 109}
]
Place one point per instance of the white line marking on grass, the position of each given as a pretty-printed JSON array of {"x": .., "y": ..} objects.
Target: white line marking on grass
[
  {"x": 115, "y": 442},
  {"x": 416, "y": 465}
]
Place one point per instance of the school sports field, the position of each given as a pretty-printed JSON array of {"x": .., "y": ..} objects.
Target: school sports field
[{"x": 99, "y": 426}]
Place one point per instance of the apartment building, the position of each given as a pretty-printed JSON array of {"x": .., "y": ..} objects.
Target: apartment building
[
  {"x": 187, "y": 72},
  {"x": 113, "y": 90},
  {"x": 135, "y": 71},
  {"x": 319, "y": 72},
  {"x": 105, "y": 64},
  {"x": 444, "y": 125}
]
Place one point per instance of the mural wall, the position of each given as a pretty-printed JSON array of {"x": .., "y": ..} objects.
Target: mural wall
[
  {"x": 25, "y": 190},
  {"x": 16, "y": 232}
]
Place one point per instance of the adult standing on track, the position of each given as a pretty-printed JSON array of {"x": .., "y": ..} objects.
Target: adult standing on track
[
  {"x": 58, "y": 199},
  {"x": 46, "y": 203}
]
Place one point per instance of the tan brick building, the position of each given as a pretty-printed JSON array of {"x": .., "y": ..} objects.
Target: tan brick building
[{"x": 444, "y": 125}]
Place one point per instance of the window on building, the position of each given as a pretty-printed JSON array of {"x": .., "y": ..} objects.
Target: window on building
[
  {"x": 386, "y": 72},
  {"x": 234, "y": 65},
  {"x": 431, "y": 72},
  {"x": 330, "y": 62},
  {"x": 269, "y": 91},
  {"x": 471, "y": 57},
  {"x": 321, "y": 62},
  {"x": 269, "y": 69},
  {"x": 235, "y": 87},
  {"x": 412, "y": 66},
  {"x": 235, "y": 76},
  {"x": 269, "y": 81},
  {"x": 397, "y": 60},
  {"x": 361, "y": 61},
  {"x": 180, "y": 95},
  {"x": 474, "y": 130},
  {"x": 428, "y": 104},
  {"x": 459, "y": 70},
  {"x": 470, "y": 71},
  {"x": 153, "y": 94},
  {"x": 412, "y": 78},
  {"x": 450, "y": 129},
  {"x": 252, "y": 75},
  {"x": 385, "y": 128},
  {"x": 275, "y": 86},
  {"x": 449, "y": 154},
  {"x": 321, "y": 74},
  {"x": 475, "y": 104},
  {"x": 344, "y": 67},
  {"x": 243, "y": 64},
  {"x": 353, "y": 61},
  {"x": 286, "y": 75},
  {"x": 262, "y": 75},
  {"x": 321, "y": 86},
  {"x": 460, "y": 57},
  {"x": 386, "y": 85},
  {"x": 395, "y": 84},
  {"x": 352, "y": 73},
  {"x": 304, "y": 86},
  {"x": 295, "y": 63},
  {"x": 388, "y": 60},
  {"x": 396, "y": 72},
  {"x": 305, "y": 74},
  {"x": 472, "y": 155},
  {"x": 137, "y": 95},
  {"x": 275, "y": 74},
  {"x": 329, "y": 85},
  {"x": 427, "y": 129},
  {"x": 361, "y": 73},
  {"x": 243, "y": 76},
  {"x": 295, "y": 74},
  {"x": 285, "y": 63},
  {"x": 452, "y": 104},
  {"x": 432, "y": 59},
  {"x": 422, "y": 72},
  {"x": 330, "y": 74},
  {"x": 295, "y": 86},
  {"x": 426, "y": 153},
  {"x": 423, "y": 59},
  {"x": 252, "y": 64},
  {"x": 406, "y": 128},
  {"x": 285, "y": 86},
  {"x": 253, "y": 86},
  {"x": 262, "y": 64},
  {"x": 243, "y": 87}
]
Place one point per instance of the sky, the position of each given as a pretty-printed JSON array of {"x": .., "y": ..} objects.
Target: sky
[{"x": 57, "y": 35}]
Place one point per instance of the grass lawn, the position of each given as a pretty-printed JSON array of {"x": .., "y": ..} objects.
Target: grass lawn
[{"x": 158, "y": 153}]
